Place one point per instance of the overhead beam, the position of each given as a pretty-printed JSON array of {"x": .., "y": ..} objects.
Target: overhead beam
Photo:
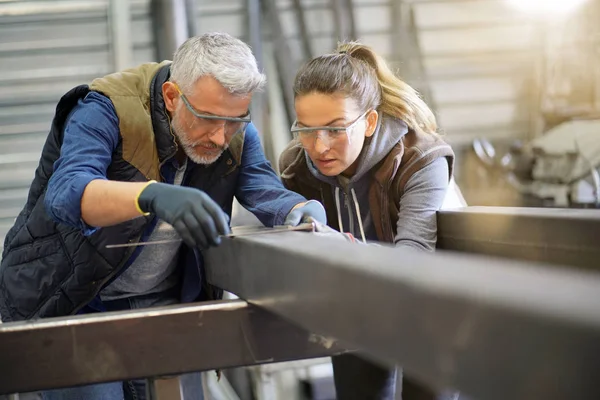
[
  {"x": 493, "y": 329},
  {"x": 64, "y": 352}
]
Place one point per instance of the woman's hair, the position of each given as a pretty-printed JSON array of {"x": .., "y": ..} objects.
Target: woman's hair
[{"x": 356, "y": 71}]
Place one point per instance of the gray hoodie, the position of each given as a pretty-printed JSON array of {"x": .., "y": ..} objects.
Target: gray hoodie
[{"x": 423, "y": 195}]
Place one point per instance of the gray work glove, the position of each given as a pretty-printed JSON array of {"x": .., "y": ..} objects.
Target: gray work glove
[
  {"x": 312, "y": 209},
  {"x": 195, "y": 216}
]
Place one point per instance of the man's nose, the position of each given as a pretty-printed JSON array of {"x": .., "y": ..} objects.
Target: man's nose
[{"x": 217, "y": 136}]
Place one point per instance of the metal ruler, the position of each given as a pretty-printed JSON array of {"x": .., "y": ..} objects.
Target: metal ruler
[{"x": 236, "y": 231}]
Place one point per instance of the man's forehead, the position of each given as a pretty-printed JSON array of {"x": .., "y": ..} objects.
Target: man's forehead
[{"x": 208, "y": 96}]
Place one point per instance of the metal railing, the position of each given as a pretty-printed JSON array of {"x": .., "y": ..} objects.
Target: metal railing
[{"x": 490, "y": 327}]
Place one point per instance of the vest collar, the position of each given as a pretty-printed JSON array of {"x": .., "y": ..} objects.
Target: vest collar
[{"x": 165, "y": 139}]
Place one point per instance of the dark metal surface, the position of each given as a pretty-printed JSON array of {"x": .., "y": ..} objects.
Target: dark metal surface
[
  {"x": 551, "y": 235},
  {"x": 64, "y": 352},
  {"x": 494, "y": 329}
]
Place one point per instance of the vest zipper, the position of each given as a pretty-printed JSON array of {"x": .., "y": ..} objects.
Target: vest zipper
[{"x": 160, "y": 164}]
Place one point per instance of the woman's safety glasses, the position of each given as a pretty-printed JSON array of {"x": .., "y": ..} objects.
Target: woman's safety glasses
[
  {"x": 213, "y": 123},
  {"x": 330, "y": 136}
]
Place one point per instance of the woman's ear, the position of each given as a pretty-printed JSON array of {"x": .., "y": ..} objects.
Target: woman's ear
[{"x": 372, "y": 118}]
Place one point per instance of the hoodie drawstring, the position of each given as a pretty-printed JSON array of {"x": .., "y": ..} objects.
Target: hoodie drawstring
[
  {"x": 358, "y": 216},
  {"x": 339, "y": 211},
  {"x": 356, "y": 207}
]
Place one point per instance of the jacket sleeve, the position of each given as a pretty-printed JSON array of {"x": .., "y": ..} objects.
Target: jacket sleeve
[
  {"x": 422, "y": 198},
  {"x": 91, "y": 135},
  {"x": 259, "y": 189}
]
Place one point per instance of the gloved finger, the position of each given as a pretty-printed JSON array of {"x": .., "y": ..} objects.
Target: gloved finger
[
  {"x": 207, "y": 225},
  {"x": 294, "y": 218},
  {"x": 184, "y": 233},
  {"x": 193, "y": 225},
  {"x": 218, "y": 216},
  {"x": 320, "y": 227}
]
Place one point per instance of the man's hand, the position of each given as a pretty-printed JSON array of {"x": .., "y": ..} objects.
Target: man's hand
[
  {"x": 194, "y": 215},
  {"x": 304, "y": 211}
]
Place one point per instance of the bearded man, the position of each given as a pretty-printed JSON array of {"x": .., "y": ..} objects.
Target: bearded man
[{"x": 153, "y": 153}]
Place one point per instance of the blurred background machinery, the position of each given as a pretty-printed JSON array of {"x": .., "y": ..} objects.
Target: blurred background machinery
[{"x": 515, "y": 85}]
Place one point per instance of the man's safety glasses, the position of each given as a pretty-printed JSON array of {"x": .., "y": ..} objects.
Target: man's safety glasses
[{"x": 213, "y": 123}]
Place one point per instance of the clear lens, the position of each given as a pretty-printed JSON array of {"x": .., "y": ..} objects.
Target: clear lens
[
  {"x": 212, "y": 126},
  {"x": 329, "y": 138}
]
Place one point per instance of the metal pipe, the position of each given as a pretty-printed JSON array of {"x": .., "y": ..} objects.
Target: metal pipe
[
  {"x": 353, "y": 35},
  {"x": 121, "y": 43},
  {"x": 337, "y": 9},
  {"x": 283, "y": 56},
  {"x": 191, "y": 9},
  {"x": 303, "y": 30},
  {"x": 170, "y": 23},
  {"x": 258, "y": 108}
]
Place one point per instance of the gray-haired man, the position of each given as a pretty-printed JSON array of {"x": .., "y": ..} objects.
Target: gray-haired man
[{"x": 152, "y": 153}]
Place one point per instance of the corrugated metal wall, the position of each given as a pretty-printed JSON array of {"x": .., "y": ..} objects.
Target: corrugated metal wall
[
  {"x": 478, "y": 55},
  {"x": 46, "y": 48}
]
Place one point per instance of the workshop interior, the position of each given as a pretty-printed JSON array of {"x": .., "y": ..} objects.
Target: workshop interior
[{"x": 510, "y": 301}]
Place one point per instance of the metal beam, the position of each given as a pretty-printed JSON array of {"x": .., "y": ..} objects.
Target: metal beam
[
  {"x": 549, "y": 235},
  {"x": 65, "y": 352},
  {"x": 493, "y": 329}
]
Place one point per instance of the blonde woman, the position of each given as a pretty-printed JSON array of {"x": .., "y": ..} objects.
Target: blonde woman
[{"x": 366, "y": 146}]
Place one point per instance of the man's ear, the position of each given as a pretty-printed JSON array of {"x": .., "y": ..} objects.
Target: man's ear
[
  {"x": 372, "y": 118},
  {"x": 170, "y": 95}
]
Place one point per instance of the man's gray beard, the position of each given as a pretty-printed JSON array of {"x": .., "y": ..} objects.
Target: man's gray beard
[{"x": 188, "y": 147}]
